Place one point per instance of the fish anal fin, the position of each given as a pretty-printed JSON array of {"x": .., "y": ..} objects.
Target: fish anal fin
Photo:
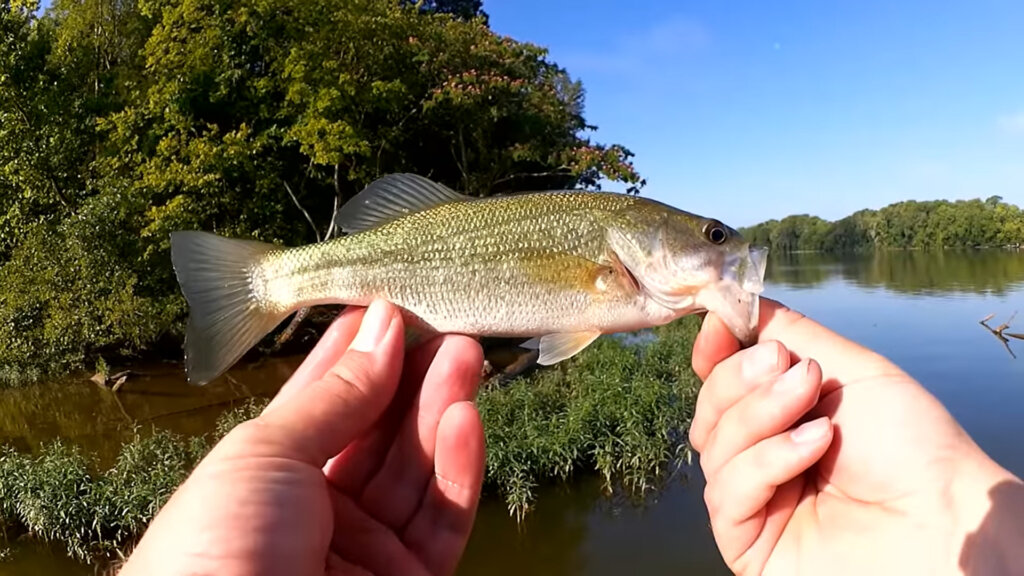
[
  {"x": 560, "y": 346},
  {"x": 391, "y": 197}
]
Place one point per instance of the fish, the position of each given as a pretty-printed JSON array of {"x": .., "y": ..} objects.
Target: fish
[{"x": 558, "y": 268}]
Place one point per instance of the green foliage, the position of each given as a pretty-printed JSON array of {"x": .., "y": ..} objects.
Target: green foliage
[
  {"x": 464, "y": 9},
  {"x": 124, "y": 120},
  {"x": 620, "y": 410},
  {"x": 56, "y": 495},
  {"x": 906, "y": 225},
  {"x": 70, "y": 289},
  {"x": 249, "y": 409},
  {"x": 125, "y": 499}
]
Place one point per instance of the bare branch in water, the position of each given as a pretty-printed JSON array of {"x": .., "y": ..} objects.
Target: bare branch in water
[{"x": 1000, "y": 331}]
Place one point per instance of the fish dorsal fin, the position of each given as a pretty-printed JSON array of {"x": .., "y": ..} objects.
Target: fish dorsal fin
[{"x": 391, "y": 197}]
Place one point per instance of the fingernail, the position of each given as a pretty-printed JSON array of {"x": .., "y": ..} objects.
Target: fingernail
[
  {"x": 811, "y": 431},
  {"x": 373, "y": 328},
  {"x": 763, "y": 359},
  {"x": 793, "y": 378}
]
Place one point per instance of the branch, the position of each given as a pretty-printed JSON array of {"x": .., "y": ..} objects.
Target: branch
[
  {"x": 1000, "y": 331},
  {"x": 465, "y": 164},
  {"x": 303, "y": 210},
  {"x": 337, "y": 198},
  {"x": 290, "y": 329},
  {"x": 556, "y": 172},
  {"x": 302, "y": 313},
  {"x": 397, "y": 127}
]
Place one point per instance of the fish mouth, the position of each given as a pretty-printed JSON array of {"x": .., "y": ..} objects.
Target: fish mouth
[
  {"x": 747, "y": 269},
  {"x": 736, "y": 297}
]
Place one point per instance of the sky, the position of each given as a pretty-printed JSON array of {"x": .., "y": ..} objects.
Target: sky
[{"x": 751, "y": 110}]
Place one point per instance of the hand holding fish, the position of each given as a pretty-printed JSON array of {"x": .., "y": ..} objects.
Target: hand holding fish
[
  {"x": 364, "y": 463},
  {"x": 822, "y": 457}
]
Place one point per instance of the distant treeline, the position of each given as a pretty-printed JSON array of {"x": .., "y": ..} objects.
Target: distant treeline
[{"x": 933, "y": 224}]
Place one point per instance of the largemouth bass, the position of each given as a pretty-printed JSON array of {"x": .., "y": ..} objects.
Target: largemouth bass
[{"x": 558, "y": 267}]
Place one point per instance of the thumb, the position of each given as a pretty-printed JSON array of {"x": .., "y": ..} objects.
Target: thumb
[{"x": 318, "y": 421}]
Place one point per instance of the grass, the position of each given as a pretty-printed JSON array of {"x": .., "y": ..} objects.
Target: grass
[
  {"x": 58, "y": 496},
  {"x": 616, "y": 409},
  {"x": 620, "y": 410}
]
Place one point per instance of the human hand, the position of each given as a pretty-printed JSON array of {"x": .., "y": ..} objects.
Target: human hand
[
  {"x": 364, "y": 463},
  {"x": 823, "y": 457}
]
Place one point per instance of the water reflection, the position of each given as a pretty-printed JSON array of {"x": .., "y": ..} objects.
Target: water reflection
[
  {"x": 100, "y": 421},
  {"x": 577, "y": 529},
  {"x": 911, "y": 272},
  {"x": 28, "y": 556}
]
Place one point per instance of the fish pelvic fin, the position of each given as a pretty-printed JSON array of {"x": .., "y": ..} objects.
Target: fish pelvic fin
[
  {"x": 225, "y": 317},
  {"x": 557, "y": 347}
]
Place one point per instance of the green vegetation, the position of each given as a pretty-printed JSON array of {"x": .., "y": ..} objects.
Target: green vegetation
[
  {"x": 58, "y": 495},
  {"x": 123, "y": 120},
  {"x": 925, "y": 225},
  {"x": 618, "y": 410}
]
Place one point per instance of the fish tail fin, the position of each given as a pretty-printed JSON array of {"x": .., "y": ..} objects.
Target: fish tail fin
[{"x": 225, "y": 318}]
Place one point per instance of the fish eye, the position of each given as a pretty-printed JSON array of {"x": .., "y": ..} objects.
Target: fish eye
[{"x": 715, "y": 232}]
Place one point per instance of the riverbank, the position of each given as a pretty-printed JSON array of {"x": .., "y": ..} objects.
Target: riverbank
[{"x": 620, "y": 410}]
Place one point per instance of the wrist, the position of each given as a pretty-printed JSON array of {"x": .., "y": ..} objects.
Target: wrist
[{"x": 988, "y": 502}]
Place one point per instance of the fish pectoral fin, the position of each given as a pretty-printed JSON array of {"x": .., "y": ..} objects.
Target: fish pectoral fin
[
  {"x": 557, "y": 347},
  {"x": 389, "y": 198},
  {"x": 627, "y": 259},
  {"x": 417, "y": 331}
]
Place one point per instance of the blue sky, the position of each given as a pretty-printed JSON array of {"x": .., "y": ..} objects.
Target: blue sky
[{"x": 749, "y": 110}]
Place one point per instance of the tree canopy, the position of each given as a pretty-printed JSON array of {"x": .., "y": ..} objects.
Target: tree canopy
[
  {"x": 123, "y": 120},
  {"x": 932, "y": 224}
]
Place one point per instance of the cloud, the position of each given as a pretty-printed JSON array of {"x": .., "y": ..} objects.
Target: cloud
[{"x": 1012, "y": 123}]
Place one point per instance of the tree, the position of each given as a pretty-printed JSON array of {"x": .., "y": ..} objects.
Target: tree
[
  {"x": 921, "y": 225},
  {"x": 121, "y": 122},
  {"x": 464, "y": 9}
]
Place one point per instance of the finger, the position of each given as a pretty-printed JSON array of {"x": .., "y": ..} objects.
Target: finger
[
  {"x": 738, "y": 498},
  {"x": 320, "y": 419},
  {"x": 441, "y": 527},
  {"x": 764, "y": 413},
  {"x": 394, "y": 493},
  {"x": 353, "y": 469},
  {"x": 327, "y": 352},
  {"x": 713, "y": 344},
  {"x": 361, "y": 540},
  {"x": 731, "y": 380}
]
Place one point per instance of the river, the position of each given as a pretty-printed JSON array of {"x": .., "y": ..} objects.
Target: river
[{"x": 921, "y": 309}]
